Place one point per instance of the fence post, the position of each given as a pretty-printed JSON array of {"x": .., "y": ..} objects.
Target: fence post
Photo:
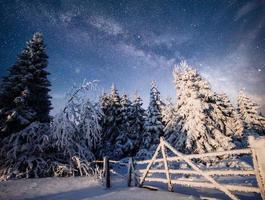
[
  {"x": 106, "y": 171},
  {"x": 129, "y": 181},
  {"x": 169, "y": 185},
  {"x": 258, "y": 148}
]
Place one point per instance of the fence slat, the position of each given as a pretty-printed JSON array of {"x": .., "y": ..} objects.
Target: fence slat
[
  {"x": 170, "y": 188},
  {"x": 149, "y": 165},
  {"x": 238, "y": 188},
  {"x": 209, "y": 172},
  {"x": 194, "y": 156}
]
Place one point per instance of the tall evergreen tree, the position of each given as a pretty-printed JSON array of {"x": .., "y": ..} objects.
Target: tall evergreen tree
[
  {"x": 27, "y": 74},
  {"x": 254, "y": 122},
  {"x": 124, "y": 143},
  {"x": 132, "y": 114},
  {"x": 153, "y": 126},
  {"x": 138, "y": 121},
  {"x": 111, "y": 107},
  {"x": 199, "y": 121},
  {"x": 39, "y": 85}
]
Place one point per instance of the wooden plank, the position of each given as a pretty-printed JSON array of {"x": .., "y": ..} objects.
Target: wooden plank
[
  {"x": 149, "y": 165},
  {"x": 188, "y": 183},
  {"x": 206, "y": 176},
  {"x": 209, "y": 172},
  {"x": 150, "y": 187},
  {"x": 192, "y": 156},
  {"x": 169, "y": 186}
]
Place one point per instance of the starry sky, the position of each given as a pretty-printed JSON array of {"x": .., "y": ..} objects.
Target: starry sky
[{"x": 131, "y": 43}]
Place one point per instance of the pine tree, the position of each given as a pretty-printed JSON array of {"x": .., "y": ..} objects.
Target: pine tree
[
  {"x": 234, "y": 126},
  {"x": 138, "y": 122},
  {"x": 124, "y": 144},
  {"x": 27, "y": 74},
  {"x": 249, "y": 111},
  {"x": 111, "y": 107},
  {"x": 39, "y": 85},
  {"x": 199, "y": 121},
  {"x": 131, "y": 127},
  {"x": 153, "y": 126}
]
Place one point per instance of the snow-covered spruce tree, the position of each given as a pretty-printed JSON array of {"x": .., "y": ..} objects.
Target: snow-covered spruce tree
[
  {"x": 137, "y": 126},
  {"x": 153, "y": 126},
  {"x": 39, "y": 85},
  {"x": 77, "y": 132},
  {"x": 249, "y": 111},
  {"x": 128, "y": 141},
  {"x": 28, "y": 73},
  {"x": 111, "y": 107},
  {"x": 199, "y": 118},
  {"x": 123, "y": 145},
  {"x": 172, "y": 125},
  {"x": 234, "y": 126}
]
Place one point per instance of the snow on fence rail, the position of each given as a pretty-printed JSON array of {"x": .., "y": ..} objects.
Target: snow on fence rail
[{"x": 256, "y": 150}]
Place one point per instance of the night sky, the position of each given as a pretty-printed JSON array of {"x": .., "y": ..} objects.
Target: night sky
[{"x": 131, "y": 43}]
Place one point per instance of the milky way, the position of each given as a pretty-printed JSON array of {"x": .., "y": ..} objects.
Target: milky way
[{"x": 131, "y": 43}]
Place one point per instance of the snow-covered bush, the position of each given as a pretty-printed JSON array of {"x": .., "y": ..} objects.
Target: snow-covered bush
[
  {"x": 25, "y": 154},
  {"x": 76, "y": 131}
]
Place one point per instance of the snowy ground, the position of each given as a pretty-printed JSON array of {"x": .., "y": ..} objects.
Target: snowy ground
[{"x": 77, "y": 188}]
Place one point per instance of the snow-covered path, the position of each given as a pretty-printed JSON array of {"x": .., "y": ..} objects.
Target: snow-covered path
[{"x": 78, "y": 188}]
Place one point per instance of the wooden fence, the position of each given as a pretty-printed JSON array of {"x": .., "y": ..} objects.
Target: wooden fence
[{"x": 257, "y": 150}]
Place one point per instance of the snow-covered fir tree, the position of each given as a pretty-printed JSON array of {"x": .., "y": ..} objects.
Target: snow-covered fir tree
[
  {"x": 111, "y": 107},
  {"x": 153, "y": 126},
  {"x": 234, "y": 126},
  {"x": 124, "y": 143},
  {"x": 198, "y": 125},
  {"x": 122, "y": 124},
  {"x": 137, "y": 127},
  {"x": 254, "y": 122},
  {"x": 131, "y": 127},
  {"x": 27, "y": 74}
]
